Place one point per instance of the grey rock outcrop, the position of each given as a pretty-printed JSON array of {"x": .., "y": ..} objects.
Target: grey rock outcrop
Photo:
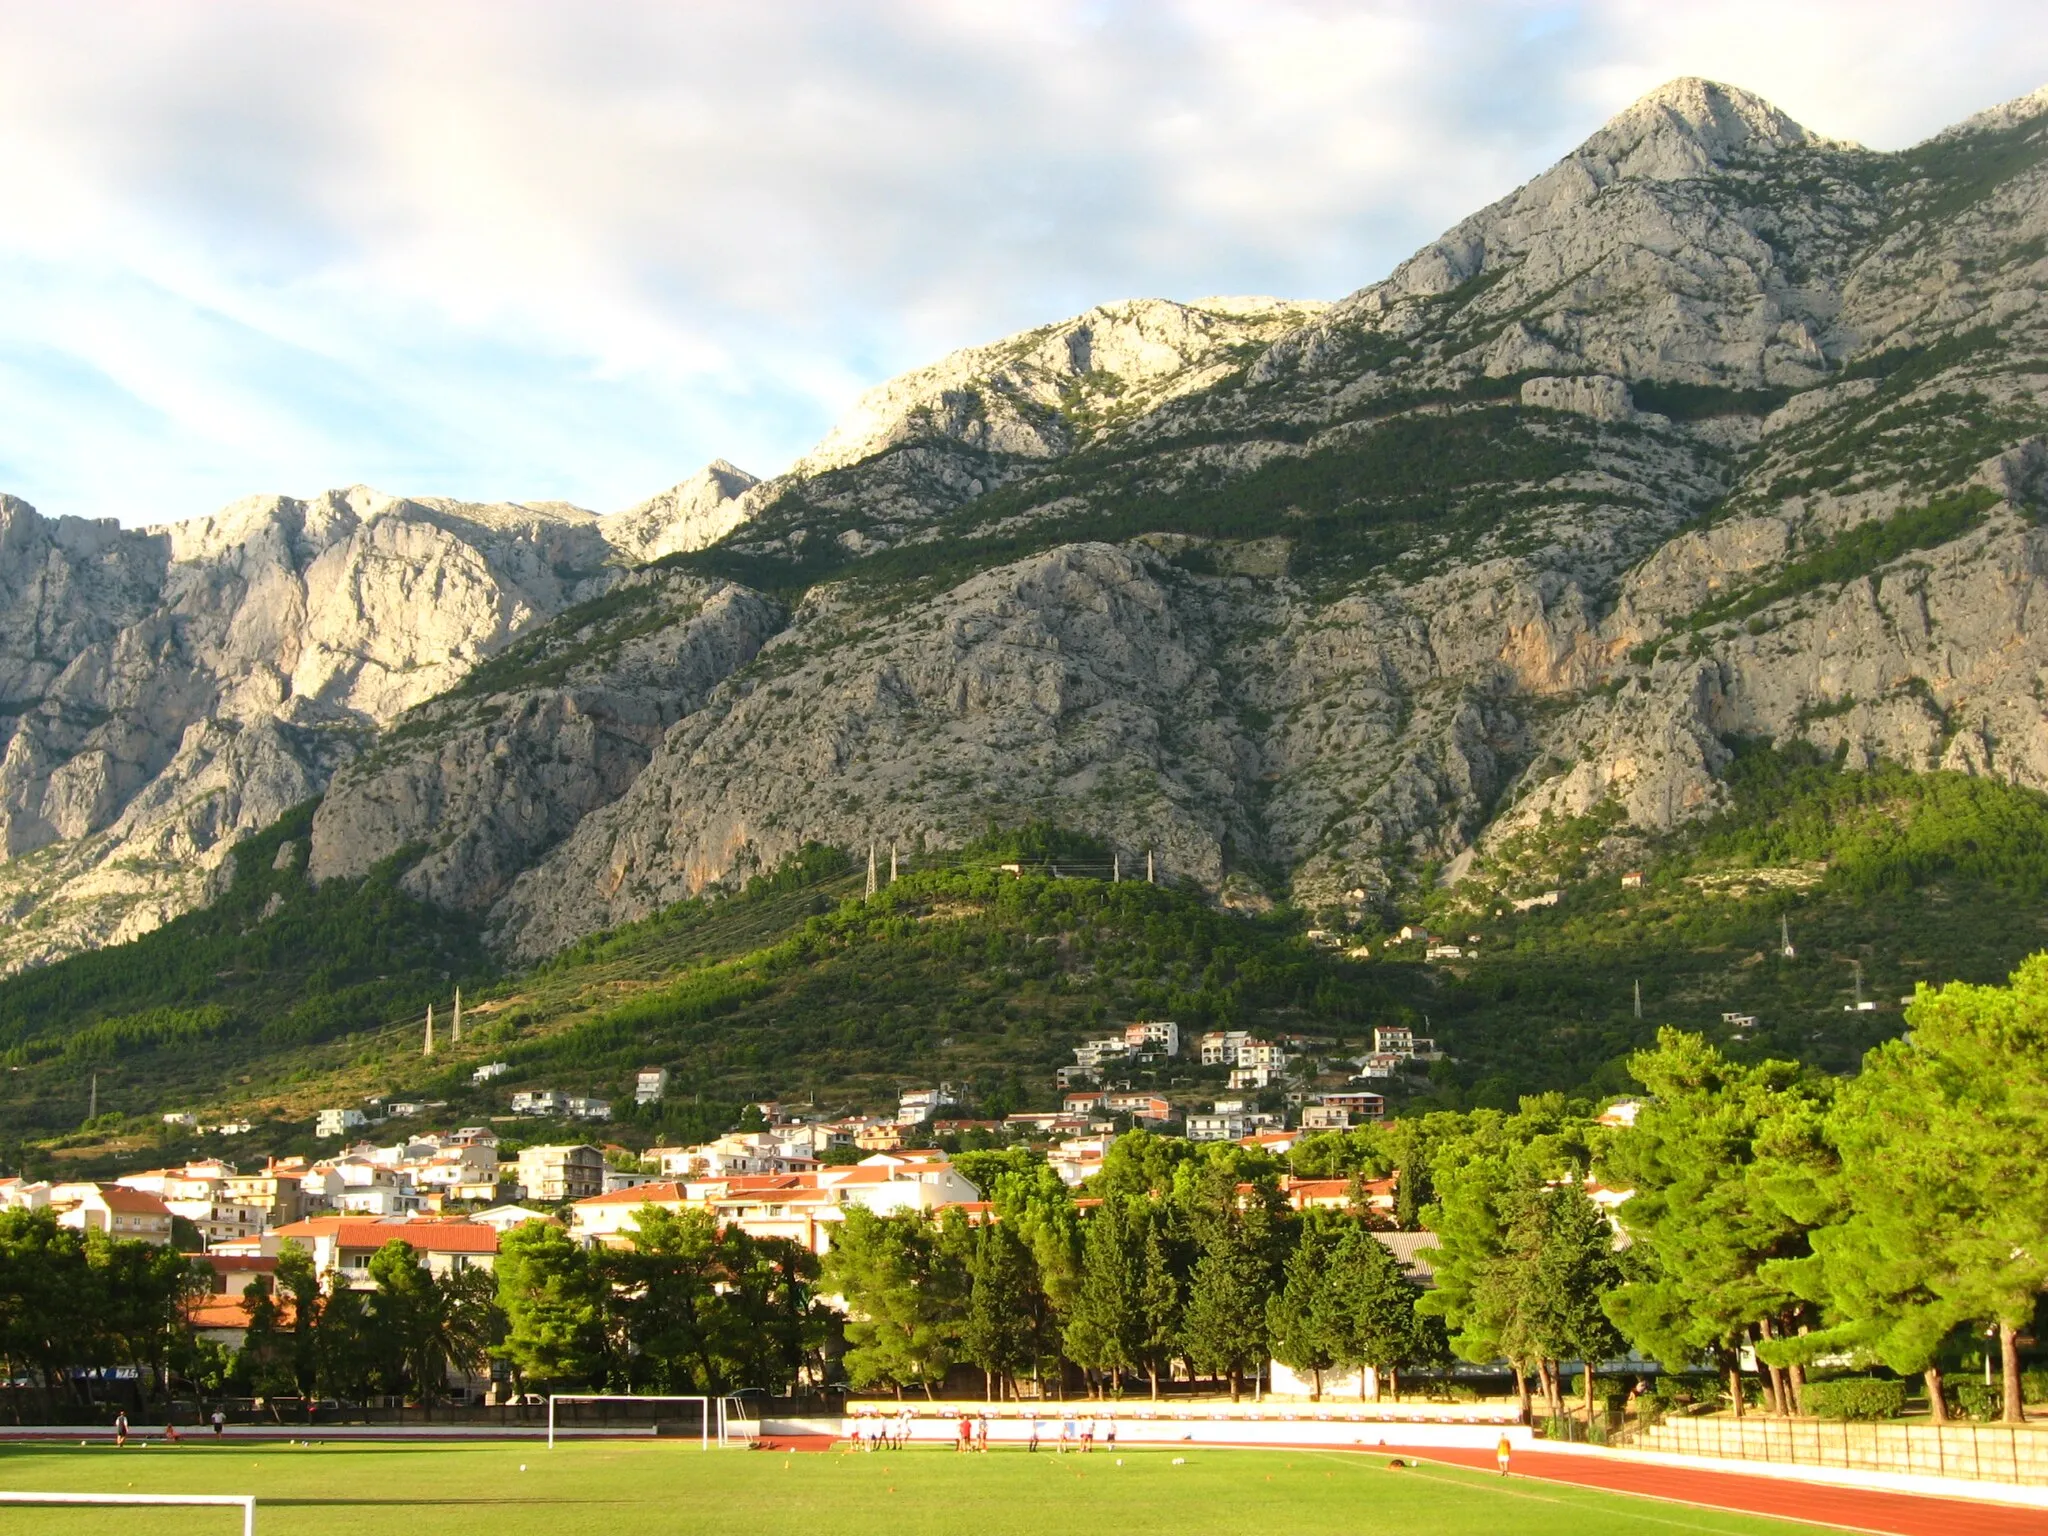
[
  {"x": 491, "y": 776},
  {"x": 171, "y": 689},
  {"x": 692, "y": 515}
]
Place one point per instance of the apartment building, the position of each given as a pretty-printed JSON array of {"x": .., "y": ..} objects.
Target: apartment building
[{"x": 554, "y": 1174}]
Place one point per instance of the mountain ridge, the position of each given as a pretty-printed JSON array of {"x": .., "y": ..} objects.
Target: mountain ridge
[{"x": 1308, "y": 600}]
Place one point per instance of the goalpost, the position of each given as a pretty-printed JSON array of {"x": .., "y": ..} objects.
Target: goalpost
[
  {"x": 703, "y": 1408},
  {"x": 246, "y": 1502},
  {"x": 734, "y": 1420}
]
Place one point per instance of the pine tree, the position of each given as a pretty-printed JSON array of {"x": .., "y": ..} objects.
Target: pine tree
[
  {"x": 1104, "y": 1327},
  {"x": 1710, "y": 1244},
  {"x": 553, "y": 1299},
  {"x": 1576, "y": 1271},
  {"x": 902, "y": 1302},
  {"x": 1224, "y": 1327},
  {"x": 1376, "y": 1304},
  {"x": 1002, "y": 1300},
  {"x": 1159, "y": 1300},
  {"x": 1304, "y": 1318},
  {"x": 1945, "y": 1208}
]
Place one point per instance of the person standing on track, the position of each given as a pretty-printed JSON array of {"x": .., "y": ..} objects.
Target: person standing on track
[{"x": 1502, "y": 1453}]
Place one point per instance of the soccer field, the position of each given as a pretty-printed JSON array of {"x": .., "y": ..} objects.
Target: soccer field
[{"x": 627, "y": 1488}]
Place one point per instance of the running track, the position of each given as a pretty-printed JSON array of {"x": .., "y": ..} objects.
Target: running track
[
  {"x": 1854, "y": 1509},
  {"x": 1851, "y": 1509}
]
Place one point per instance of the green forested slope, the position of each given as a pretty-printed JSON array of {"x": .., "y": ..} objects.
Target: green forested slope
[{"x": 799, "y": 988}]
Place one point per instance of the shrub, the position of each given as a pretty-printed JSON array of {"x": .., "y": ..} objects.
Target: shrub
[
  {"x": 1863, "y": 1398},
  {"x": 1972, "y": 1399}
]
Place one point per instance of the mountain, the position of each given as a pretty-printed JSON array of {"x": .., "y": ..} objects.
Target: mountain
[
  {"x": 1717, "y": 428},
  {"x": 1717, "y": 432}
]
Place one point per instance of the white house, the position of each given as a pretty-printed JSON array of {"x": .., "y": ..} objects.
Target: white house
[
  {"x": 1161, "y": 1035},
  {"x": 339, "y": 1122},
  {"x": 650, "y": 1085},
  {"x": 126, "y": 1215}
]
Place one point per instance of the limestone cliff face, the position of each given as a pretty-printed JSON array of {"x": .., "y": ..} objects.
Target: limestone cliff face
[
  {"x": 489, "y": 777},
  {"x": 1717, "y": 428},
  {"x": 170, "y": 689}
]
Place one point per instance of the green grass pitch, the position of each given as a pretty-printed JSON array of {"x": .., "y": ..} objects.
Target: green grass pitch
[{"x": 671, "y": 1487}]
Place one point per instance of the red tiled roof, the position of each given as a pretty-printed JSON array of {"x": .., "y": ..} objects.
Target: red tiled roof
[
  {"x": 217, "y": 1311},
  {"x": 239, "y": 1264},
  {"x": 427, "y": 1236},
  {"x": 668, "y": 1191},
  {"x": 132, "y": 1202}
]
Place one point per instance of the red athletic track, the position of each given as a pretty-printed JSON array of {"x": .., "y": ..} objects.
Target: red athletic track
[{"x": 1856, "y": 1509}]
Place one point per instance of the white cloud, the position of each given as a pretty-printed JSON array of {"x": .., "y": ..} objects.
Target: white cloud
[{"x": 526, "y": 250}]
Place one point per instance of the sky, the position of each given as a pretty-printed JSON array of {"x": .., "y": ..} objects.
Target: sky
[{"x": 547, "y": 251}]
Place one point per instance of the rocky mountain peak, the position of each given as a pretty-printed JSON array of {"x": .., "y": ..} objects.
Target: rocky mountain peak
[
  {"x": 689, "y": 515},
  {"x": 1689, "y": 126},
  {"x": 1031, "y": 394},
  {"x": 2007, "y": 114}
]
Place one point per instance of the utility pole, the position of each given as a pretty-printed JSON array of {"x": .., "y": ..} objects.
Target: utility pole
[
  {"x": 455, "y": 1030},
  {"x": 1148, "y": 868},
  {"x": 1857, "y": 966},
  {"x": 871, "y": 872},
  {"x": 430, "y": 1031},
  {"x": 92, "y": 1102},
  {"x": 1116, "y": 868},
  {"x": 892, "y": 863},
  {"x": 1639, "y": 997}
]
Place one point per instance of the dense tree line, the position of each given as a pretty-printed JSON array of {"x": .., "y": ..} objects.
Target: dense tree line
[
  {"x": 687, "y": 1308},
  {"x": 398, "y": 1337},
  {"x": 1760, "y": 1211},
  {"x": 1895, "y": 1220},
  {"x": 75, "y": 1304},
  {"x": 1176, "y": 1259}
]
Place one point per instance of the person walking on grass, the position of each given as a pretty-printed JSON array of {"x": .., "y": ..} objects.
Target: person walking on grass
[
  {"x": 1037, "y": 1429},
  {"x": 1503, "y": 1453},
  {"x": 220, "y": 1424},
  {"x": 121, "y": 1428}
]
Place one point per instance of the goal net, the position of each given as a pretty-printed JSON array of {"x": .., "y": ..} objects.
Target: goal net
[{"x": 696, "y": 1412}]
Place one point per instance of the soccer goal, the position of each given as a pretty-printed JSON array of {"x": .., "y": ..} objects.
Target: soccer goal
[
  {"x": 246, "y": 1502},
  {"x": 703, "y": 1408},
  {"x": 739, "y": 1419}
]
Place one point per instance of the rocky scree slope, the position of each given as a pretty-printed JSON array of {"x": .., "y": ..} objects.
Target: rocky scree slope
[{"x": 1716, "y": 428}]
